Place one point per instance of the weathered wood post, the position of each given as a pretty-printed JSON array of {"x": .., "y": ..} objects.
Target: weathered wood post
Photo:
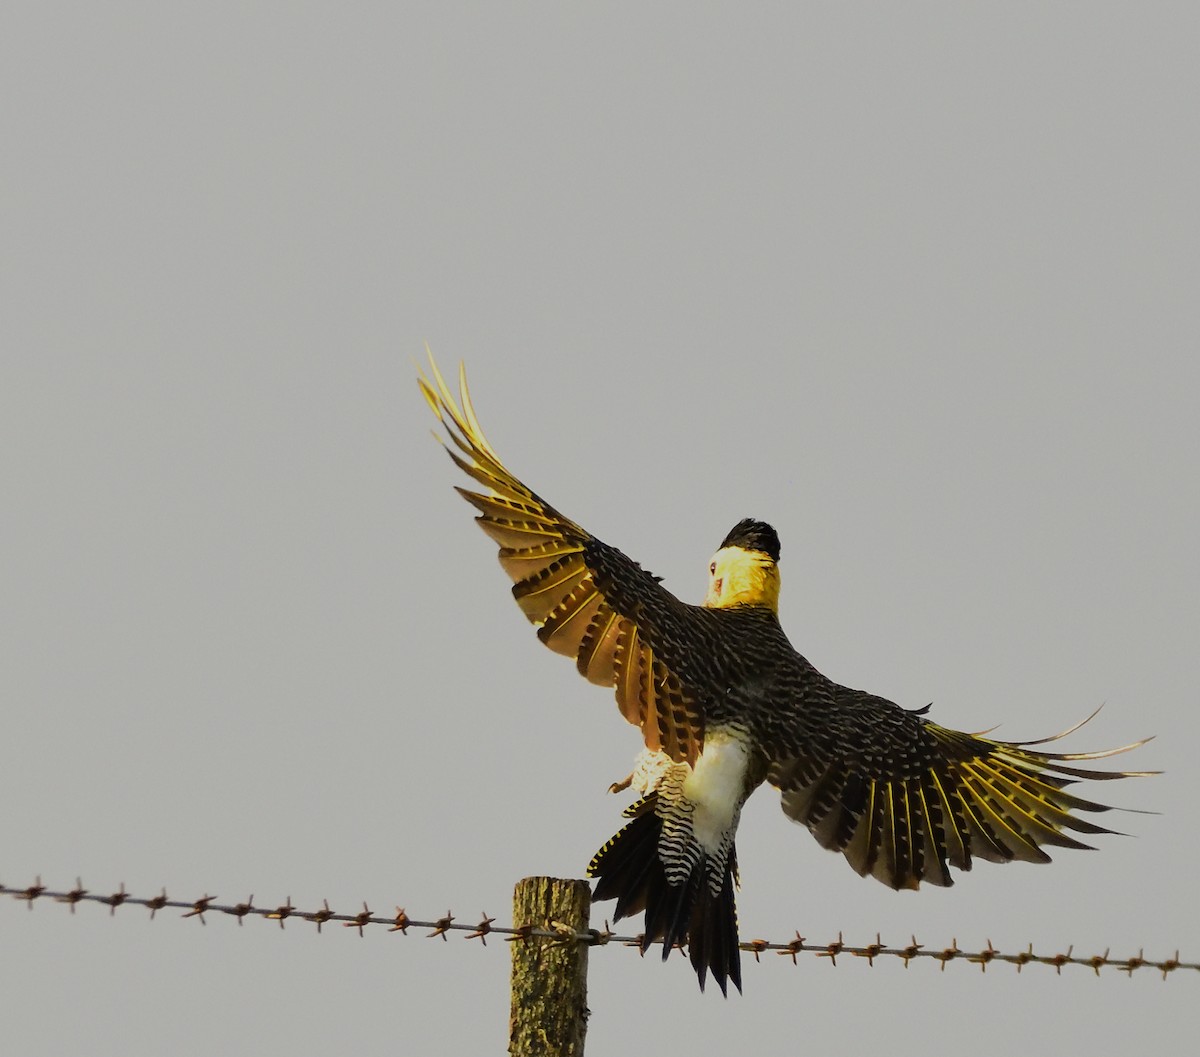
[{"x": 549, "y": 978}]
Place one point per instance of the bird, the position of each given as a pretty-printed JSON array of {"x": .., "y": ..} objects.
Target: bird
[{"x": 725, "y": 703}]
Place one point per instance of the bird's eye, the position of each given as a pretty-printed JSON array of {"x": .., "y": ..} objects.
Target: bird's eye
[{"x": 712, "y": 569}]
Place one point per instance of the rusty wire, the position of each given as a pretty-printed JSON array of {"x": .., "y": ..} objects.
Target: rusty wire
[{"x": 554, "y": 932}]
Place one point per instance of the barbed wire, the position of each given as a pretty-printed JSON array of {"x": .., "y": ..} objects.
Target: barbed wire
[{"x": 556, "y": 932}]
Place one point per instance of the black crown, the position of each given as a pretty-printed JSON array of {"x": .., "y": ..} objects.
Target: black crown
[{"x": 754, "y": 535}]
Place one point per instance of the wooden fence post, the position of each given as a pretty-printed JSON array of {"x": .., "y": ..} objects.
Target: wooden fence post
[{"x": 549, "y": 979}]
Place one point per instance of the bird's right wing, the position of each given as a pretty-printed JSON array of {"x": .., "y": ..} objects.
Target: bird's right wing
[{"x": 588, "y": 600}]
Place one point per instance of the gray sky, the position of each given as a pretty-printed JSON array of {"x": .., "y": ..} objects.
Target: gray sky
[{"x": 915, "y": 283}]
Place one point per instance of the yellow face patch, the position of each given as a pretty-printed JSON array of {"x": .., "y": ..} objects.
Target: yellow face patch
[{"x": 742, "y": 577}]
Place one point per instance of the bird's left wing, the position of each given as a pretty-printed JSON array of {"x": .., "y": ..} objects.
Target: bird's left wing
[
  {"x": 902, "y": 797},
  {"x": 587, "y": 599}
]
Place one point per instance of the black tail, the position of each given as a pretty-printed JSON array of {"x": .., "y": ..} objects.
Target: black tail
[{"x": 629, "y": 869}]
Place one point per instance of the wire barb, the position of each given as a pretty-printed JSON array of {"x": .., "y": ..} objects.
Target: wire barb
[
  {"x": 240, "y": 910},
  {"x": 949, "y": 953},
  {"x": 32, "y": 892},
  {"x": 601, "y": 936},
  {"x": 359, "y": 920},
  {"x": 321, "y": 916},
  {"x": 116, "y": 899},
  {"x": 482, "y": 930},
  {"x": 983, "y": 957},
  {"x": 280, "y": 913},
  {"x": 74, "y": 896},
  {"x": 442, "y": 926},
  {"x": 832, "y": 950},
  {"x": 558, "y": 933},
  {"x": 872, "y": 951},
  {"x": 200, "y": 908},
  {"x": 156, "y": 904}
]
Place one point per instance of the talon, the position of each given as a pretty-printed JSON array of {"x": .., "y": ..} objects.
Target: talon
[{"x": 622, "y": 785}]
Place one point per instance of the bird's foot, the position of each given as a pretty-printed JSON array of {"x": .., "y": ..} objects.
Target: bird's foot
[{"x": 622, "y": 785}]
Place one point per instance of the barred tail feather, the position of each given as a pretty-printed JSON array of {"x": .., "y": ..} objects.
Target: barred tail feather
[
  {"x": 713, "y": 929},
  {"x": 629, "y": 869}
]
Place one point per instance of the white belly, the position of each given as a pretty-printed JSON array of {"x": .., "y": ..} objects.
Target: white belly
[{"x": 716, "y": 787}]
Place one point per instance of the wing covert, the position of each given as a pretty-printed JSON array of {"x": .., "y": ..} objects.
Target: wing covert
[{"x": 587, "y": 600}]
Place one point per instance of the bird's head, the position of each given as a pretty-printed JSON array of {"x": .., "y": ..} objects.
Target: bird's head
[{"x": 745, "y": 570}]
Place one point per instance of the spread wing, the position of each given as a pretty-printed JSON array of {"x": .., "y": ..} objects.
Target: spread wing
[
  {"x": 587, "y": 599},
  {"x": 902, "y": 797}
]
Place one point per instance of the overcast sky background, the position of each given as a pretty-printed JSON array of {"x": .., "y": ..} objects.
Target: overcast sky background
[{"x": 916, "y": 283}]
